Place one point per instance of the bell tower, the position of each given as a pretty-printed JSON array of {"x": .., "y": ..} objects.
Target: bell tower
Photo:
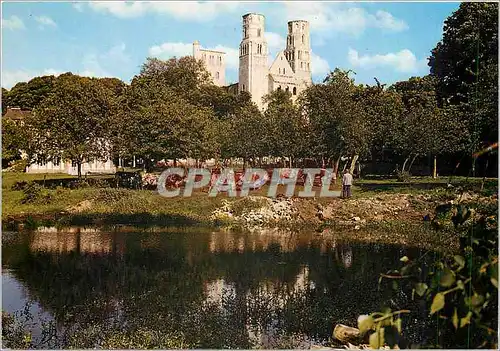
[
  {"x": 253, "y": 68},
  {"x": 298, "y": 50}
]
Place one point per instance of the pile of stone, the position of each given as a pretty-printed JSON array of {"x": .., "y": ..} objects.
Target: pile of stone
[{"x": 271, "y": 210}]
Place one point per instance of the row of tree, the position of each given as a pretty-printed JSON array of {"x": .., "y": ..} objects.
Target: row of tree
[{"x": 171, "y": 110}]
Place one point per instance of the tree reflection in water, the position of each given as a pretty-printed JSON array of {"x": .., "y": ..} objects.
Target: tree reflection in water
[{"x": 207, "y": 289}]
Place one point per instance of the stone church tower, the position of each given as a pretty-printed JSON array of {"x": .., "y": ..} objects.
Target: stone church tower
[
  {"x": 253, "y": 68},
  {"x": 298, "y": 50}
]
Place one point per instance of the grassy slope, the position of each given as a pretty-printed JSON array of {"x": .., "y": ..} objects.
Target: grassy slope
[{"x": 141, "y": 207}]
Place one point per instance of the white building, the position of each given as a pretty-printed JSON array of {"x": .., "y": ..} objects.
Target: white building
[
  {"x": 290, "y": 71},
  {"x": 215, "y": 62}
]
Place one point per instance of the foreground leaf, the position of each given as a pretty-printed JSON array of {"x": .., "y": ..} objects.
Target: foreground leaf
[
  {"x": 455, "y": 319},
  {"x": 437, "y": 303},
  {"x": 365, "y": 323},
  {"x": 466, "y": 320},
  {"x": 447, "y": 278},
  {"x": 420, "y": 289}
]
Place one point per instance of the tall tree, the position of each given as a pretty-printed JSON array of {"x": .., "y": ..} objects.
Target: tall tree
[
  {"x": 465, "y": 63},
  {"x": 284, "y": 125},
  {"x": 423, "y": 127},
  {"x": 74, "y": 120},
  {"x": 155, "y": 122},
  {"x": 336, "y": 117},
  {"x": 185, "y": 75},
  {"x": 383, "y": 109}
]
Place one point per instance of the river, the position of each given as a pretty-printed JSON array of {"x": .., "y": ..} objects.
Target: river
[{"x": 194, "y": 288}]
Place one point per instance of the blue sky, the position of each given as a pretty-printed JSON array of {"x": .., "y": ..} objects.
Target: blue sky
[{"x": 390, "y": 41}]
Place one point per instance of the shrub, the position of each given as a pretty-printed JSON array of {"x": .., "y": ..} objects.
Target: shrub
[
  {"x": 34, "y": 193},
  {"x": 403, "y": 176},
  {"x": 110, "y": 195},
  {"x": 19, "y": 185}
]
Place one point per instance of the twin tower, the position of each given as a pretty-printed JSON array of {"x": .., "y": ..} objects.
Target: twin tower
[{"x": 290, "y": 70}]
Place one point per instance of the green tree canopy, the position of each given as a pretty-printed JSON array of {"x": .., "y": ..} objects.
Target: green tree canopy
[
  {"x": 465, "y": 63},
  {"x": 73, "y": 122}
]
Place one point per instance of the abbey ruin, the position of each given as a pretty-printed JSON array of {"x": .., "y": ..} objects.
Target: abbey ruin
[{"x": 290, "y": 71}]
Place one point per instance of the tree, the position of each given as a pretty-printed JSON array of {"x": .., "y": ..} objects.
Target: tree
[
  {"x": 74, "y": 120},
  {"x": 424, "y": 128},
  {"x": 155, "y": 123},
  {"x": 465, "y": 63},
  {"x": 383, "y": 109},
  {"x": 28, "y": 95},
  {"x": 13, "y": 140},
  {"x": 243, "y": 134},
  {"x": 186, "y": 76},
  {"x": 337, "y": 118},
  {"x": 284, "y": 125}
]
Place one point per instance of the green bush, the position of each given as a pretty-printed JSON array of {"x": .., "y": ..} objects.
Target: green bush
[
  {"x": 403, "y": 176},
  {"x": 111, "y": 195},
  {"x": 459, "y": 291},
  {"x": 35, "y": 193}
]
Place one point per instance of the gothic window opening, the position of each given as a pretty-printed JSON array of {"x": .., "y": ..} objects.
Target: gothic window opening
[
  {"x": 284, "y": 71},
  {"x": 302, "y": 38},
  {"x": 258, "y": 32},
  {"x": 308, "y": 67},
  {"x": 216, "y": 75},
  {"x": 294, "y": 91},
  {"x": 287, "y": 89}
]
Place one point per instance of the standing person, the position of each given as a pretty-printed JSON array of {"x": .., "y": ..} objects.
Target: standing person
[{"x": 346, "y": 184}]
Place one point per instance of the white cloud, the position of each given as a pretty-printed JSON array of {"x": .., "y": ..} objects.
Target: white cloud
[
  {"x": 92, "y": 65},
  {"x": 46, "y": 21},
  {"x": 338, "y": 17},
  {"x": 232, "y": 56},
  {"x": 11, "y": 78},
  {"x": 275, "y": 42},
  {"x": 100, "y": 65},
  {"x": 319, "y": 66},
  {"x": 13, "y": 23},
  {"x": 78, "y": 6},
  {"x": 403, "y": 61},
  {"x": 186, "y": 10},
  {"x": 386, "y": 20},
  {"x": 169, "y": 50}
]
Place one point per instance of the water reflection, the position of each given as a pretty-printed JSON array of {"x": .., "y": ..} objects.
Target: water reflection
[{"x": 217, "y": 289}]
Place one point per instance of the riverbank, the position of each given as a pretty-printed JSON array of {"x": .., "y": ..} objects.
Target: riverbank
[{"x": 392, "y": 205}]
